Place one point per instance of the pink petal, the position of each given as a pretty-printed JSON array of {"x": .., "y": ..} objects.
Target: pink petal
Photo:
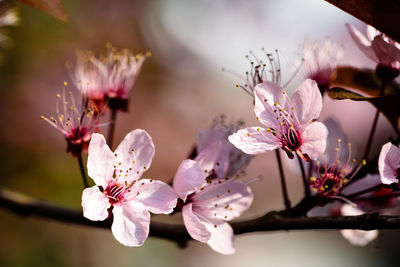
[
  {"x": 189, "y": 178},
  {"x": 95, "y": 204},
  {"x": 387, "y": 53},
  {"x": 223, "y": 163},
  {"x": 194, "y": 225},
  {"x": 100, "y": 160},
  {"x": 314, "y": 140},
  {"x": 356, "y": 237},
  {"x": 389, "y": 163},
  {"x": 362, "y": 42},
  {"x": 156, "y": 196},
  {"x": 222, "y": 238},
  {"x": 131, "y": 223},
  {"x": 307, "y": 102},
  {"x": 225, "y": 201},
  {"x": 136, "y": 151},
  {"x": 254, "y": 140},
  {"x": 208, "y": 157},
  {"x": 210, "y": 136},
  {"x": 267, "y": 94}
]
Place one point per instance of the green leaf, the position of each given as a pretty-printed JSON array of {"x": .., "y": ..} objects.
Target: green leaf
[
  {"x": 52, "y": 7},
  {"x": 363, "y": 80},
  {"x": 388, "y": 105}
]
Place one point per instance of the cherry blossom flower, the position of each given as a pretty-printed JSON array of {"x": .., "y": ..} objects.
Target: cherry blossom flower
[
  {"x": 333, "y": 174},
  {"x": 89, "y": 78},
  {"x": 320, "y": 61},
  {"x": 76, "y": 124},
  {"x": 389, "y": 164},
  {"x": 119, "y": 189},
  {"x": 122, "y": 69},
  {"x": 229, "y": 160},
  {"x": 356, "y": 237},
  {"x": 289, "y": 121},
  {"x": 379, "y": 48},
  {"x": 209, "y": 191}
]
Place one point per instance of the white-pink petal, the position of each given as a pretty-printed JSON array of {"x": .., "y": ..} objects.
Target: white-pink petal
[
  {"x": 389, "y": 163},
  {"x": 362, "y": 42},
  {"x": 225, "y": 201},
  {"x": 131, "y": 223},
  {"x": 207, "y": 158},
  {"x": 136, "y": 151},
  {"x": 222, "y": 238},
  {"x": 254, "y": 140},
  {"x": 267, "y": 94},
  {"x": 189, "y": 178},
  {"x": 356, "y": 237},
  {"x": 195, "y": 226},
  {"x": 307, "y": 102},
  {"x": 100, "y": 160},
  {"x": 158, "y": 197},
  {"x": 95, "y": 204},
  {"x": 314, "y": 140}
]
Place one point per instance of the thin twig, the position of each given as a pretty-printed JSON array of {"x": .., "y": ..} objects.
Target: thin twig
[
  {"x": 83, "y": 172},
  {"x": 373, "y": 127},
  {"x": 303, "y": 175},
  {"x": 283, "y": 182},
  {"x": 111, "y": 129}
]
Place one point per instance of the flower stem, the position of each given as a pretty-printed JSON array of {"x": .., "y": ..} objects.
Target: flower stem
[
  {"x": 374, "y": 123},
  {"x": 82, "y": 169},
  {"x": 111, "y": 129},
  {"x": 283, "y": 182},
  {"x": 303, "y": 175}
]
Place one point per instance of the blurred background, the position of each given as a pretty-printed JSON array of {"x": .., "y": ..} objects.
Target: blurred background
[{"x": 180, "y": 90}]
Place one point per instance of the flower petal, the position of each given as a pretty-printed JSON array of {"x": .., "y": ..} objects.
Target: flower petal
[
  {"x": 362, "y": 42},
  {"x": 222, "y": 238},
  {"x": 95, "y": 205},
  {"x": 194, "y": 225},
  {"x": 356, "y": 237},
  {"x": 131, "y": 223},
  {"x": 100, "y": 160},
  {"x": 189, "y": 178},
  {"x": 254, "y": 140},
  {"x": 268, "y": 97},
  {"x": 307, "y": 102},
  {"x": 210, "y": 136},
  {"x": 225, "y": 200},
  {"x": 314, "y": 140},
  {"x": 208, "y": 157},
  {"x": 387, "y": 53},
  {"x": 389, "y": 163},
  {"x": 136, "y": 151},
  {"x": 156, "y": 196}
]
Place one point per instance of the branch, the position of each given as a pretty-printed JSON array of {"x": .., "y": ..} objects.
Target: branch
[{"x": 272, "y": 221}]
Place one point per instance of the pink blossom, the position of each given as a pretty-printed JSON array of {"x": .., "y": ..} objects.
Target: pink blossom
[
  {"x": 379, "y": 48},
  {"x": 122, "y": 69},
  {"x": 89, "y": 78},
  {"x": 289, "y": 121},
  {"x": 214, "y": 143},
  {"x": 208, "y": 188},
  {"x": 76, "y": 124},
  {"x": 320, "y": 61},
  {"x": 356, "y": 237},
  {"x": 120, "y": 190},
  {"x": 389, "y": 164},
  {"x": 332, "y": 175}
]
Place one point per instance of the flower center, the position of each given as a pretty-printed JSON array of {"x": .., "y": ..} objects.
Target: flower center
[{"x": 114, "y": 192}]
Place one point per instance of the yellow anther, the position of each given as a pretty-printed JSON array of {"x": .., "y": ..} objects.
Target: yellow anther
[
  {"x": 58, "y": 95},
  {"x": 313, "y": 179},
  {"x": 292, "y": 108},
  {"x": 337, "y": 149},
  {"x": 258, "y": 129},
  {"x": 339, "y": 140},
  {"x": 364, "y": 162},
  {"x": 42, "y": 117},
  {"x": 322, "y": 189},
  {"x": 65, "y": 83},
  {"x": 237, "y": 85},
  {"x": 326, "y": 186},
  {"x": 276, "y": 103},
  {"x": 148, "y": 54},
  {"x": 284, "y": 92},
  {"x": 248, "y": 134}
]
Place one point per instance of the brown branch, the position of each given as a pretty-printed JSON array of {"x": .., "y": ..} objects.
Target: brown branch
[{"x": 272, "y": 221}]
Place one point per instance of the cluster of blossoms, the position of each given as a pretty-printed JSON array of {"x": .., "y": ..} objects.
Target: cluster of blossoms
[{"x": 206, "y": 187}]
